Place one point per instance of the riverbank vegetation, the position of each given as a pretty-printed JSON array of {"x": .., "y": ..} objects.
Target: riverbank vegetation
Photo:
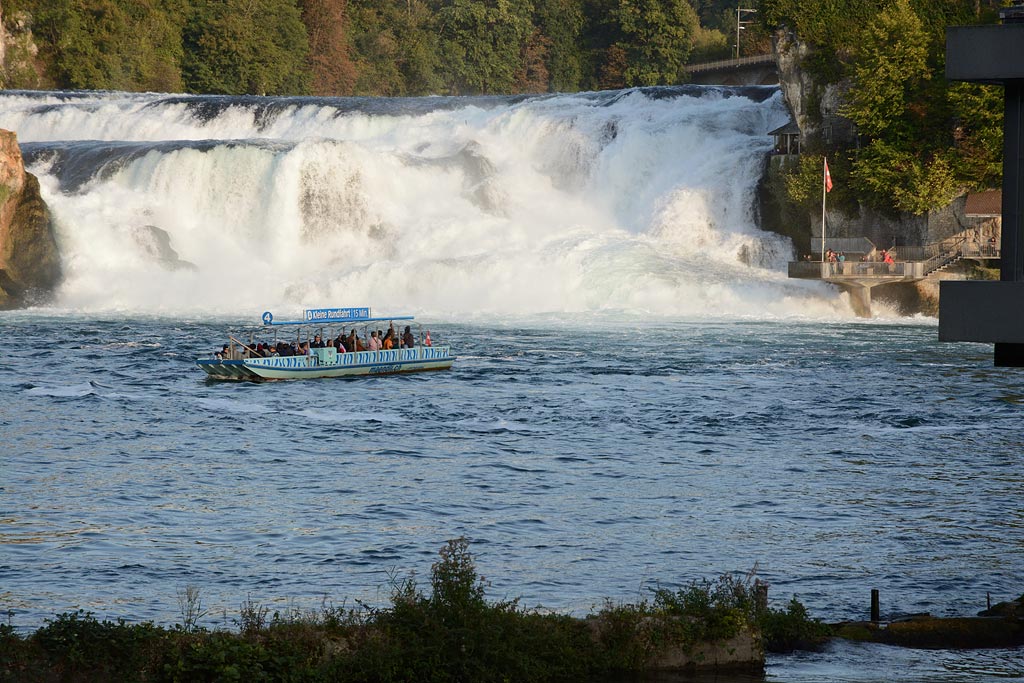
[
  {"x": 920, "y": 140},
  {"x": 364, "y": 47},
  {"x": 454, "y": 633}
]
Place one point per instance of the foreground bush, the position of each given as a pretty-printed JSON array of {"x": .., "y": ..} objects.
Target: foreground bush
[{"x": 453, "y": 634}]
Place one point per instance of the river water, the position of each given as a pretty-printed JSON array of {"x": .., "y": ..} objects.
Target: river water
[
  {"x": 642, "y": 397},
  {"x": 584, "y": 457}
]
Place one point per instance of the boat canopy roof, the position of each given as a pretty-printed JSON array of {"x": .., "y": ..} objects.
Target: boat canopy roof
[{"x": 339, "y": 316}]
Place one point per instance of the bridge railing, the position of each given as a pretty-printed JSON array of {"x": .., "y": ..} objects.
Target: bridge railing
[{"x": 730, "y": 63}]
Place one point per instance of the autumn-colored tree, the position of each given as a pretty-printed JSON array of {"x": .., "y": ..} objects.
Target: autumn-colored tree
[
  {"x": 532, "y": 76},
  {"x": 613, "y": 71},
  {"x": 333, "y": 71}
]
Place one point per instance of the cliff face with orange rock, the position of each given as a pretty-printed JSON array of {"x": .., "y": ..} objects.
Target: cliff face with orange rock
[{"x": 29, "y": 261}]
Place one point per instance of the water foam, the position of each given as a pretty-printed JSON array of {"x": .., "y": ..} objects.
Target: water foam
[{"x": 640, "y": 201}]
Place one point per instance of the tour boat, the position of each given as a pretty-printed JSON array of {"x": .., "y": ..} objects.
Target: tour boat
[{"x": 241, "y": 361}]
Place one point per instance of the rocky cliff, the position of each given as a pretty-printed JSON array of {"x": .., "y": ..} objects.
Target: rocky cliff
[
  {"x": 29, "y": 261},
  {"x": 817, "y": 107}
]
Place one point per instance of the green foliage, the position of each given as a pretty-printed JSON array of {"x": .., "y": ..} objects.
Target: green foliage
[
  {"x": 923, "y": 140},
  {"x": 885, "y": 174},
  {"x": 657, "y": 36},
  {"x": 112, "y": 44},
  {"x": 890, "y": 63},
  {"x": 709, "y": 45},
  {"x": 562, "y": 23},
  {"x": 481, "y": 42},
  {"x": 454, "y": 634},
  {"x": 804, "y": 183},
  {"x": 238, "y": 47},
  {"x": 80, "y": 644},
  {"x": 712, "y": 610},
  {"x": 831, "y": 26},
  {"x": 791, "y": 629},
  {"x": 977, "y": 112},
  {"x": 395, "y": 48}
]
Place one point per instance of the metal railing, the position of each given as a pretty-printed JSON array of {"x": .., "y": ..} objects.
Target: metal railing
[
  {"x": 730, "y": 63},
  {"x": 915, "y": 262},
  {"x": 856, "y": 269}
]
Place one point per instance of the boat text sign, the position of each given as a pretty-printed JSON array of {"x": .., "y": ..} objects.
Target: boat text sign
[{"x": 329, "y": 314}]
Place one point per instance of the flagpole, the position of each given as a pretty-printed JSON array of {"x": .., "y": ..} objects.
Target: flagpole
[{"x": 824, "y": 182}]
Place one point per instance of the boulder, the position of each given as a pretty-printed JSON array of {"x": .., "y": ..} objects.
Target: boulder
[
  {"x": 156, "y": 243},
  {"x": 29, "y": 260}
]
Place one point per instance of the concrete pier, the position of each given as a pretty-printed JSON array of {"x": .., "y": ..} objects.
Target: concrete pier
[{"x": 858, "y": 278}]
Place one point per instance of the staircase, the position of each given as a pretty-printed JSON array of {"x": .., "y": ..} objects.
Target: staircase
[{"x": 940, "y": 262}]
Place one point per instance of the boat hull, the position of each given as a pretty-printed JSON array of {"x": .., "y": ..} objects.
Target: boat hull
[{"x": 358, "y": 364}]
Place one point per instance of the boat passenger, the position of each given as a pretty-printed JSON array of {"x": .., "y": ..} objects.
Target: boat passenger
[
  {"x": 374, "y": 341},
  {"x": 222, "y": 354},
  {"x": 352, "y": 342},
  {"x": 408, "y": 341},
  {"x": 389, "y": 341},
  {"x": 318, "y": 343}
]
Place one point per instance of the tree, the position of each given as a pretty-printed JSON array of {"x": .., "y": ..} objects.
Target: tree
[
  {"x": 890, "y": 65},
  {"x": 532, "y": 76},
  {"x": 395, "y": 47},
  {"x": 561, "y": 23},
  {"x": 657, "y": 37},
  {"x": 237, "y": 47},
  {"x": 333, "y": 72},
  {"x": 112, "y": 44},
  {"x": 481, "y": 42},
  {"x": 977, "y": 112},
  {"x": 886, "y": 175}
]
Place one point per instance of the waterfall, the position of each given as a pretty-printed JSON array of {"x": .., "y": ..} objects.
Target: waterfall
[{"x": 639, "y": 200}]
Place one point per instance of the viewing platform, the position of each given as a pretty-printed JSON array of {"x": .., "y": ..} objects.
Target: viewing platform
[{"x": 865, "y": 270}]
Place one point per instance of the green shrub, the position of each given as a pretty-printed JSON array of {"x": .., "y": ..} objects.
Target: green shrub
[
  {"x": 792, "y": 629},
  {"x": 76, "y": 643}
]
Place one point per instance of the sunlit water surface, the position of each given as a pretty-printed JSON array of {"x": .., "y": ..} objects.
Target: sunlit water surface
[{"x": 583, "y": 459}]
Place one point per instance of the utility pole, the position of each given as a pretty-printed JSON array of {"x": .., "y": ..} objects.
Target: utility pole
[{"x": 740, "y": 24}]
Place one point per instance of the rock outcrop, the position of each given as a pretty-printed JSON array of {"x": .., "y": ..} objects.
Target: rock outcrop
[
  {"x": 816, "y": 105},
  {"x": 29, "y": 261}
]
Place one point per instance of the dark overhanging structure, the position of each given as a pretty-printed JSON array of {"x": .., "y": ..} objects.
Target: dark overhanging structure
[{"x": 993, "y": 311}]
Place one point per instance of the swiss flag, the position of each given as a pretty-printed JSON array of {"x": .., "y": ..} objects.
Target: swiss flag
[{"x": 828, "y": 178}]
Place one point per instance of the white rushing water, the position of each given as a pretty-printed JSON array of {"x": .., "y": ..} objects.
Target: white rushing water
[{"x": 637, "y": 200}]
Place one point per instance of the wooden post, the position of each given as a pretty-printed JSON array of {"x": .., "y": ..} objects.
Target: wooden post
[{"x": 874, "y": 605}]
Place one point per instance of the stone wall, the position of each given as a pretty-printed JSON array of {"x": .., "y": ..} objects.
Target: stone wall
[{"x": 29, "y": 260}]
